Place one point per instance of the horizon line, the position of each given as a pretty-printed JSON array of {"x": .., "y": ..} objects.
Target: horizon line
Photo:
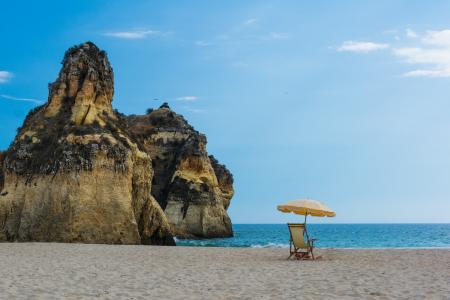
[{"x": 386, "y": 223}]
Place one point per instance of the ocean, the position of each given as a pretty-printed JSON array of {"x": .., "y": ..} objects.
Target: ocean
[{"x": 336, "y": 236}]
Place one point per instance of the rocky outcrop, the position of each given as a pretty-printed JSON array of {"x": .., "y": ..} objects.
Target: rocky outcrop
[
  {"x": 193, "y": 188},
  {"x": 79, "y": 171},
  {"x": 73, "y": 172},
  {"x": 2, "y": 179}
]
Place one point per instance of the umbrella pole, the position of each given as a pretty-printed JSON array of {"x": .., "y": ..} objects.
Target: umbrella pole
[{"x": 306, "y": 231}]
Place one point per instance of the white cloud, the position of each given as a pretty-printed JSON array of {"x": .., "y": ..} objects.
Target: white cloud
[
  {"x": 187, "y": 98},
  {"x": 430, "y": 55},
  {"x": 428, "y": 73},
  {"x": 278, "y": 36},
  {"x": 437, "y": 38},
  {"x": 21, "y": 99},
  {"x": 411, "y": 33},
  {"x": 361, "y": 47},
  {"x": 203, "y": 43},
  {"x": 433, "y": 53},
  {"x": 134, "y": 35},
  {"x": 438, "y": 60},
  {"x": 424, "y": 55},
  {"x": 5, "y": 76},
  {"x": 250, "y": 21}
]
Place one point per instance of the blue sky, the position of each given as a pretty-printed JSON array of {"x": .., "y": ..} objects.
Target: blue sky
[{"x": 347, "y": 102}]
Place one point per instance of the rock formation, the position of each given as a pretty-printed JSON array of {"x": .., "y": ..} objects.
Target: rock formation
[
  {"x": 73, "y": 173},
  {"x": 79, "y": 171},
  {"x": 193, "y": 188}
]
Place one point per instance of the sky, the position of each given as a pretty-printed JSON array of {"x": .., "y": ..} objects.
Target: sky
[{"x": 346, "y": 102}]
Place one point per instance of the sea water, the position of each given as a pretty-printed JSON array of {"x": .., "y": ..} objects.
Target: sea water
[{"x": 336, "y": 236}]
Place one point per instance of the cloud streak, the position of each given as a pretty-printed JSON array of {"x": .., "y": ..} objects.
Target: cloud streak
[
  {"x": 361, "y": 47},
  {"x": 195, "y": 110},
  {"x": 5, "y": 76},
  {"x": 187, "y": 98},
  {"x": 203, "y": 43},
  {"x": 278, "y": 36},
  {"x": 246, "y": 32},
  {"x": 134, "y": 34},
  {"x": 250, "y": 21},
  {"x": 8, "y": 97},
  {"x": 428, "y": 73}
]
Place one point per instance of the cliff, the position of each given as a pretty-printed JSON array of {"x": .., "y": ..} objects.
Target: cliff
[
  {"x": 79, "y": 171},
  {"x": 193, "y": 188},
  {"x": 73, "y": 172}
]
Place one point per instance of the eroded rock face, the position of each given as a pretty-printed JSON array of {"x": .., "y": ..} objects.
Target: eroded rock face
[
  {"x": 193, "y": 188},
  {"x": 73, "y": 173},
  {"x": 2, "y": 179}
]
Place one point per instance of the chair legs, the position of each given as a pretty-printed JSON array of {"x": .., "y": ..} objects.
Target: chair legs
[
  {"x": 303, "y": 254},
  {"x": 312, "y": 254}
]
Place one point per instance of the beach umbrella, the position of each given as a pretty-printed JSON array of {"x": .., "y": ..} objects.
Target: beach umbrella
[
  {"x": 303, "y": 207},
  {"x": 306, "y": 207}
]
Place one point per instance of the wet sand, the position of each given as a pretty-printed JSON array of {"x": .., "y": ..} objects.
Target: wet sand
[{"x": 77, "y": 271}]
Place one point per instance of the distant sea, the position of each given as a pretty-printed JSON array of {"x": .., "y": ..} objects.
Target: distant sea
[{"x": 336, "y": 236}]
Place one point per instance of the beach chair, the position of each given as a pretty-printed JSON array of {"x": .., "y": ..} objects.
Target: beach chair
[{"x": 300, "y": 244}]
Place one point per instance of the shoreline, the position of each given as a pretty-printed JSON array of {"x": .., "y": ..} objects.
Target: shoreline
[
  {"x": 231, "y": 247},
  {"x": 59, "y": 270},
  {"x": 321, "y": 248}
]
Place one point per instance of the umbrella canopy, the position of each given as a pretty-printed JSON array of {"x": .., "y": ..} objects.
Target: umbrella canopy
[{"x": 306, "y": 207}]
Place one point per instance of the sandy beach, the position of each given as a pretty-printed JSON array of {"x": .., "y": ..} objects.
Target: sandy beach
[{"x": 76, "y": 271}]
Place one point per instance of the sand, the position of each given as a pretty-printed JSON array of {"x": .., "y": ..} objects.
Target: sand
[{"x": 77, "y": 271}]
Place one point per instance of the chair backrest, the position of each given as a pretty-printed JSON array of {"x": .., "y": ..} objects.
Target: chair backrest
[{"x": 297, "y": 232}]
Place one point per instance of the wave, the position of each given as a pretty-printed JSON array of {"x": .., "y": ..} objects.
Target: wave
[{"x": 270, "y": 245}]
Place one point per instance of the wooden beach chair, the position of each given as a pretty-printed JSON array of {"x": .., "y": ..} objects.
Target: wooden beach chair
[{"x": 300, "y": 244}]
